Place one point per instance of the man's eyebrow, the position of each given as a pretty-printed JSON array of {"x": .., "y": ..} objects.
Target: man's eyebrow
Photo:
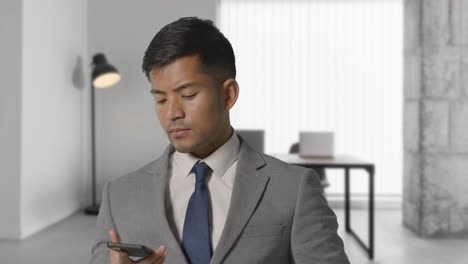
[{"x": 178, "y": 88}]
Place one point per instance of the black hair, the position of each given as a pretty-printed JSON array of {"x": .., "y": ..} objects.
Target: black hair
[{"x": 192, "y": 36}]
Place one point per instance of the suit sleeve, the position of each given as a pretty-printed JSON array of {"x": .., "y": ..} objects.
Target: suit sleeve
[
  {"x": 314, "y": 237},
  {"x": 100, "y": 253}
]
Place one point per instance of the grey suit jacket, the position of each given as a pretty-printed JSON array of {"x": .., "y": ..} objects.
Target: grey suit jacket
[{"x": 277, "y": 214}]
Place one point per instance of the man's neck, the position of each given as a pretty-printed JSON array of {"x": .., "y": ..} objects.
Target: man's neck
[{"x": 226, "y": 136}]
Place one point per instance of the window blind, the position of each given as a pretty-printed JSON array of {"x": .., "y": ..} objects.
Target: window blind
[{"x": 322, "y": 65}]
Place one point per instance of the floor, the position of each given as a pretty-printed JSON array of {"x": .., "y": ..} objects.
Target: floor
[{"x": 70, "y": 242}]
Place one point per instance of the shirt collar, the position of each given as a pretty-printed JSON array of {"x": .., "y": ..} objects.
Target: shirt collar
[{"x": 219, "y": 161}]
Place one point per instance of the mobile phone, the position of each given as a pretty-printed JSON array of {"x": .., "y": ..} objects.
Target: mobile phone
[{"x": 132, "y": 250}]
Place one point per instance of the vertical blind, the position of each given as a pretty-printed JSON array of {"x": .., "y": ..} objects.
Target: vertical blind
[{"x": 322, "y": 65}]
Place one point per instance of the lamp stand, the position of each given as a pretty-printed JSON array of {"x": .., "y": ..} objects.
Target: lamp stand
[{"x": 94, "y": 208}]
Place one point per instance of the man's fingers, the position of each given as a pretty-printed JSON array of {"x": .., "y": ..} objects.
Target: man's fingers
[
  {"x": 160, "y": 260},
  {"x": 114, "y": 257},
  {"x": 161, "y": 250},
  {"x": 160, "y": 255},
  {"x": 119, "y": 257},
  {"x": 163, "y": 255},
  {"x": 157, "y": 257},
  {"x": 153, "y": 259},
  {"x": 114, "y": 236}
]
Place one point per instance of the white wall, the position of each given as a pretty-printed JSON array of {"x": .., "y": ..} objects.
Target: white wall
[
  {"x": 54, "y": 40},
  {"x": 128, "y": 134},
  {"x": 10, "y": 107},
  {"x": 42, "y": 102}
]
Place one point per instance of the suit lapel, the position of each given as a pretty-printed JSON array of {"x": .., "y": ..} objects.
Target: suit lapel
[
  {"x": 249, "y": 185},
  {"x": 161, "y": 172}
]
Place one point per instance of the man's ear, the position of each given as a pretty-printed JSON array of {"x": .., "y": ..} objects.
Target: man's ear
[{"x": 230, "y": 92}]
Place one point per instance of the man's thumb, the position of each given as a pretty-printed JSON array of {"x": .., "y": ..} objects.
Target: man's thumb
[{"x": 114, "y": 236}]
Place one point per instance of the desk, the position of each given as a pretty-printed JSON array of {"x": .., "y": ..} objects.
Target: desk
[{"x": 347, "y": 163}]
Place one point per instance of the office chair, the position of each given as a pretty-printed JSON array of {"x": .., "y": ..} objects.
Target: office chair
[{"x": 320, "y": 171}]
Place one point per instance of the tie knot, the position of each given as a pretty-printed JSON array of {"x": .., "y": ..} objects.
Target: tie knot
[{"x": 200, "y": 169}]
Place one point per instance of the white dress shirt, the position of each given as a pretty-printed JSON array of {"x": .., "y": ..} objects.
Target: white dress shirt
[{"x": 223, "y": 163}]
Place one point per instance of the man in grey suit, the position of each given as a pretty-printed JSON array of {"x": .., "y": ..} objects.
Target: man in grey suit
[{"x": 210, "y": 198}]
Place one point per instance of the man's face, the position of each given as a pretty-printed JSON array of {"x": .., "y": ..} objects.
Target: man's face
[{"x": 191, "y": 108}]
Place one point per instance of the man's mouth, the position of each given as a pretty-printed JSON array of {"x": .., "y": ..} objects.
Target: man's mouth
[{"x": 179, "y": 132}]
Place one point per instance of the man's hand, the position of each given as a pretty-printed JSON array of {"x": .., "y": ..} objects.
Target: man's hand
[{"x": 119, "y": 257}]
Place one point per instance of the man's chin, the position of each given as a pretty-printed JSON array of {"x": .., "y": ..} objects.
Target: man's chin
[{"x": 182, "y": 148}]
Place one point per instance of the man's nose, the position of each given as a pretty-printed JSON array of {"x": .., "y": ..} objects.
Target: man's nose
[{"x": 174, "y": 111}]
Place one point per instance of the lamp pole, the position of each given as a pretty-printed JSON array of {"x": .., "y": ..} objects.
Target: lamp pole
[{"x": 94, "y": 208}]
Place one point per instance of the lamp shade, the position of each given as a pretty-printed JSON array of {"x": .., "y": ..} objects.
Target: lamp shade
[{"x": 103, "y": 74}]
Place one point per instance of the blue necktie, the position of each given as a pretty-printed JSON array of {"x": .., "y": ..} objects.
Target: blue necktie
[{"x": 196, "y": 234}]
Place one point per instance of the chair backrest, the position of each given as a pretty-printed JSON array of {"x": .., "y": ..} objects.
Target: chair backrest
[
  {"x": 294, "y": 148},
  {"x": 255, "y": 138}
]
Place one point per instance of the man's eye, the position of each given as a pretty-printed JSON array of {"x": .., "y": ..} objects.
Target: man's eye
[
  {"x": 160, "y": 101},
  {"x": 189, "y": 96}
]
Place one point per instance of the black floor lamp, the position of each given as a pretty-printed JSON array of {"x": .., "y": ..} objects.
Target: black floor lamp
[{"x": 103, "y": 75}]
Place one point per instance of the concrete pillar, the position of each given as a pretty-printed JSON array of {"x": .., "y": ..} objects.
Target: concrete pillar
[{"x": 435, "y": 195}]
